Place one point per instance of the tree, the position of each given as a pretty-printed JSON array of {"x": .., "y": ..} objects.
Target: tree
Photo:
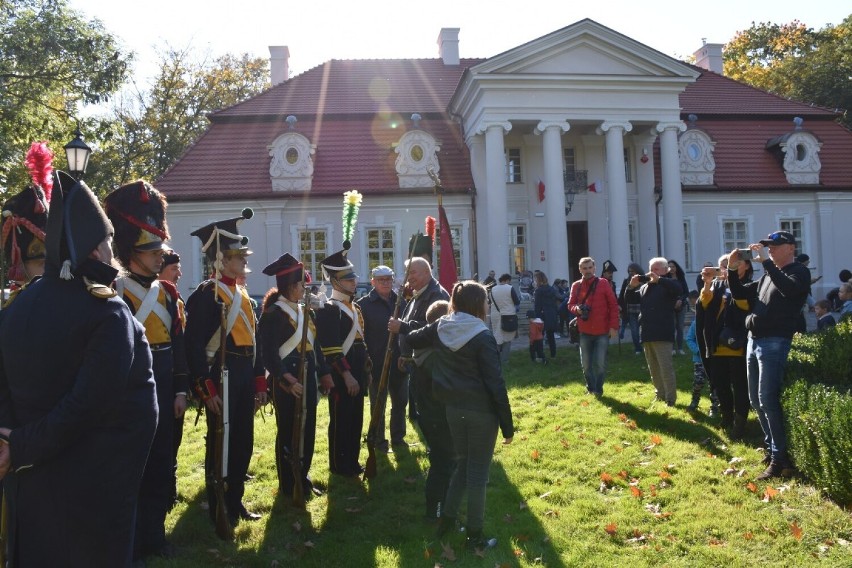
[
  {"x": 151, "y": 129},
  {"x": 52, "y": 62},
  {"x": 794, "y": 61}
]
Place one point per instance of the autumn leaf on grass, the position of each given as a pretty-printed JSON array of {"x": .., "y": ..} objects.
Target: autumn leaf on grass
[
  {"x": 769, "y": 493},
  {"x": 448, "y": 552},
  {"x": 656, "y": 440},
  {"x": 635, "y": 491},
  {"x": 716, "y": 542},
  {"x": 522, "y": 537},
  {"x": 564, "y": 443},
  {"x": 665, "y": 475},
  {"x": 584, "y": 403},
  {"x": 631, "y": 424},
  {"x": 558, "y": 428},
  {"x": 611, "y": 529},
  {"x": 427, "y": 553},
  {"x": 551, "y": 514},
  {"x": 518, "y": 552},
  {"x": 623, "y": 475},
  {"x": 796, "y": 531},
  {"x": 606, "y": 479},
  {"x": 535, "y": 455},
  {"x": 653, "y": 489},
  {"x": 598, "y": 442},
  {"x": 751, "y": 487},
  {"x": 622, "y": 417},
  {"x": 748, "y": 536}
]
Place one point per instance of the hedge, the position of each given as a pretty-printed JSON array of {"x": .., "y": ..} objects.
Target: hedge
[{"x": 818, "y": 406}]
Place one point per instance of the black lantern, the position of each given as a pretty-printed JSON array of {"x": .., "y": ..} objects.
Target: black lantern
[{"x": 78, "y": 153}]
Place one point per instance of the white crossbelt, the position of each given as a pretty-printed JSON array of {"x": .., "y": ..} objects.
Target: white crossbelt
[
  {"x": 150, "y": 300},
  {"x": 356, "y": 325},
  {"x": 235, "y": 310},
  {"x": 297, "y": 316}
]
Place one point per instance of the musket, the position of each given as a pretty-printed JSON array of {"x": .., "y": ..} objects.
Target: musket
[
  {"x": 378, "y": 410},
  {"x": 220, "y": 452},
  {"x": 300, "y": 407}
]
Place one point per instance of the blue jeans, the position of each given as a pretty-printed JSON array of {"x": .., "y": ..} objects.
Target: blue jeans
[
  {"x": 593, "y": 350},
  {"x": 766, "y": 358},
  {"x": 632, "y": 320},
  {"x": 474, "y": 435}
]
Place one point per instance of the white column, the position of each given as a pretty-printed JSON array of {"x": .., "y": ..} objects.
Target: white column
[
  {"x": 476, "y": 145},
  {"x": 646, "y": 248},
  {"x": 616, "y": 190},
  {"x": 554, "y": 197},
  {"x": 495, "y": 252},
  {"x": 673, "y": 244},
  {"x": 596, "y": 213}
]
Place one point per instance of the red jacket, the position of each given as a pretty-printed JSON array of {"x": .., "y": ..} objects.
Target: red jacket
[{"x": 603, "y": 315}]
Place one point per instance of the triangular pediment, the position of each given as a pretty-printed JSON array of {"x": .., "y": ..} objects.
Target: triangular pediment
[{"x": 584, "y": 48}]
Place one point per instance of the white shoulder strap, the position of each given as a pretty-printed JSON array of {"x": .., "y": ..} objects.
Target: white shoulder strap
[{"x": 150, "y": 300}]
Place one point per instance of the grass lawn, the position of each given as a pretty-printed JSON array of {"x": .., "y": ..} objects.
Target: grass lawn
[{"x": 615, "y": 481}]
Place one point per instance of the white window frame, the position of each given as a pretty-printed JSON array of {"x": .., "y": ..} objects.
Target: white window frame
[
  {"x": 783, "y": 223},
  {"x": 724, "y": 244},
  {"x": 513, "y": 245},
  {"x": 688, "y": 248},
  {"x": 399, "y": 249},
  {"x": 312, "y": 265},
  {"x": 513, "y": 176}
]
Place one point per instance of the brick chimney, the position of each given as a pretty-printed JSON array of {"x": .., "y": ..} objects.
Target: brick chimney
[
  {"x": 709, "y": 56},
  {"x": 448, "y": 45},
  {"x": 279, "y": 64}
]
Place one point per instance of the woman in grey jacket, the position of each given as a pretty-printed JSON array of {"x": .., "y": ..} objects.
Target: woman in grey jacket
[{"x": 468, "y": 379}]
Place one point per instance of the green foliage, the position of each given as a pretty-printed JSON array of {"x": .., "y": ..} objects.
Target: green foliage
[
  {"x": 818, "y": 405},
  {"x": 824, "y": 357},
  {"x": 52, "y": 61},
  {"x": 820, "y": 423},
  {"x": 795, "y": 61}
]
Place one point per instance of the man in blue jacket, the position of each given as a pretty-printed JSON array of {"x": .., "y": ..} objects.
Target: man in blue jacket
[{"x": 776, "y": 302}]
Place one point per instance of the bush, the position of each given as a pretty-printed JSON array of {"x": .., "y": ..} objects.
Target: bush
[
  {"x": 818, "y": 405},
  {"x": 820, "y": 428},
  {"x": 824, "y": 358}
]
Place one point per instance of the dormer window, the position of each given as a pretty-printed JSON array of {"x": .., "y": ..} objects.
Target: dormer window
[
  {"x": 697, "y": 164},
  {"x": 798, "y": 152},
  {"x": 292, "y": 165},
  {"x": 417, "y": 153}
]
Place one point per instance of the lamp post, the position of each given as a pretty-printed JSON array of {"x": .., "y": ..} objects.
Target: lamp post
[{"x": 77, "y": 152}]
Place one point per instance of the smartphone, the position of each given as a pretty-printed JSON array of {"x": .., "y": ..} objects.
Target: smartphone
[
  {"x": 644, "y": 278},
  {"x": 746, "y": 254},
  {"x": 719, "y": 271}
]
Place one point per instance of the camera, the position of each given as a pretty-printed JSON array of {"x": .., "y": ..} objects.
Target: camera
[
  {"x": 584, "y": 311},
  {"x": 643, "y": 278},
  {"x": 746, "y": 254},
  {"x": 719, "y": 271}
]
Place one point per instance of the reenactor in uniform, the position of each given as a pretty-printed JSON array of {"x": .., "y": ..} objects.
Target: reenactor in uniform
[
  {"x": 24, "y": 221},
  {"x": 138, "y": 214},
  {"x": 78, "y": 395},
  {"x": 341, "y": 333},
  {"x": 280, "y": 337},
  {"x": 227, "y": 250},
  {"x": 171, "y": 273}
]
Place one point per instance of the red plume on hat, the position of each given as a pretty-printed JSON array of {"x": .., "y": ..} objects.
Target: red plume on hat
[
  {"x": 39, "y": 162},
  {"x": 430, "y": 228}
]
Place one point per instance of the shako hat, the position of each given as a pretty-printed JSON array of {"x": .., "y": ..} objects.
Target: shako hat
[
  {"x": 138, "y": 212},
  {"x": 608, "y": 266},
  {"x": 337, "y": 266},
  {"x": 221, "y": 237},
  {"x": 25, "y": 214},
  {"x": 76, "y": 225},
  {"x": 170, "y": 257},
  {"x": 286, "y": 270}
]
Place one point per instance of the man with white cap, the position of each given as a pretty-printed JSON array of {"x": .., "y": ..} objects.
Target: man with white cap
[{"x": 377, "y": 308}]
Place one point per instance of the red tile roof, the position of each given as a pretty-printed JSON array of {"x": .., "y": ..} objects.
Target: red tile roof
[
  {"x": 354, "y": 110},
  {"x": 741, "y": 119},
  {"x": 353, "y": 121}
]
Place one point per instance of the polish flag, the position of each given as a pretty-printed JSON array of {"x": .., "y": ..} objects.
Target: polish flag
[{"x": 596, "y": 186}]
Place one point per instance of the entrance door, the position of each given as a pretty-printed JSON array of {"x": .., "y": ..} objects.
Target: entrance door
[{"x": 578, "y": 247}]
